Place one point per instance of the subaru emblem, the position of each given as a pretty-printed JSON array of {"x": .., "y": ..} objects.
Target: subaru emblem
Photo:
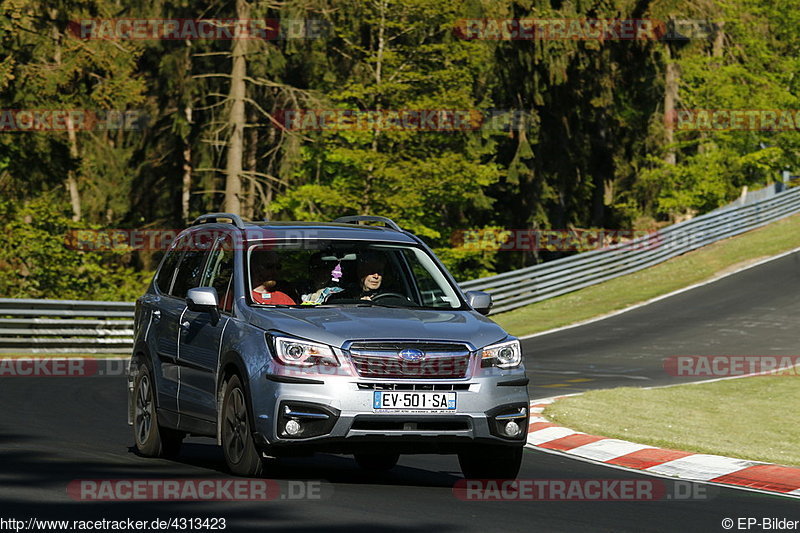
[{"x": 411, "y": 354}]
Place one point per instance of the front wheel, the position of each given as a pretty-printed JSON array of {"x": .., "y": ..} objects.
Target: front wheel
[
  {"x": 238, "y": 446},
  {"x": 377, "y": 462},
  {"x": 151, "y": 439},
  {"x": 491, "y": 462}
]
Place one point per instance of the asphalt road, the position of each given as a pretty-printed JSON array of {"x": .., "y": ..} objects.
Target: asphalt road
[
  {"x": 57, "y": 430},
  {"x": 753, "y": 312}
]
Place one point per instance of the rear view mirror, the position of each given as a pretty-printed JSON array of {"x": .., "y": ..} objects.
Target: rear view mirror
[{"x": 345, "y": 257}]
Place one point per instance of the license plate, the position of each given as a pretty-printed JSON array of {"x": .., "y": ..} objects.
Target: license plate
[{"x": 414, "y": 401}]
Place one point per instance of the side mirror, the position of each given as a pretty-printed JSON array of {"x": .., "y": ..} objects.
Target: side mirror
[
  {"x": 204, "y": 300},
  {"x": 480, "y": 301}
]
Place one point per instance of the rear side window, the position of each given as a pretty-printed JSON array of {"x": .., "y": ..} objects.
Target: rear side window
[
  {"x": 167, "y": 270},
  {"x": 190, "y": 269}
]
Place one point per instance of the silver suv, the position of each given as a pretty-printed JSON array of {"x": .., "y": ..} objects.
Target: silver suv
[{"x": 287, "y": 338}]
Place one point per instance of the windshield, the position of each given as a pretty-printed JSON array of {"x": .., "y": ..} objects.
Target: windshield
[{"x": 346, "y": 273}]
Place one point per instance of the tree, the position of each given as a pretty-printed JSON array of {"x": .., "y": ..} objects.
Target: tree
[
  {"x": 388, "y": 57},
  {"x": 48, "y": 68}
]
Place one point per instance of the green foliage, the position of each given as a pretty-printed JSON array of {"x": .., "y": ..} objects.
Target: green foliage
[
  {"x": 753, "y": 70},
  {"x": 47, "y": 68},
  {"x": 465, "y": 264},
  {"x": 589, "y": 149},
  {"x": 400, "y": 56},
  {"x": 36, "y": 260}
]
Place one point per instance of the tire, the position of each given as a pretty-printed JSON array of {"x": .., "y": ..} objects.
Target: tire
[
  {"x": 377, "y": 462},
  {"x": 491, "y": 462},
  {"x": 241, "y": 455},
  {"x": 151, "y": 439}
]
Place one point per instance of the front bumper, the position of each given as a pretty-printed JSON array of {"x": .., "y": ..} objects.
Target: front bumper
[{"x": 339, "y": 412}]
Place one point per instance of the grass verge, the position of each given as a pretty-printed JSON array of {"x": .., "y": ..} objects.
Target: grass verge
[
  {"x": 752, "y": 418},
  {"x": 679, "y": 272}
]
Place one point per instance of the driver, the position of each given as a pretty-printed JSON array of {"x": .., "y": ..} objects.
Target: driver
[{"x": 370, "y": 270}]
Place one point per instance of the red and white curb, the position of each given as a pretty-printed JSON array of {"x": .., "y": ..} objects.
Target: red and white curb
[{"x": 752, "y": 475}]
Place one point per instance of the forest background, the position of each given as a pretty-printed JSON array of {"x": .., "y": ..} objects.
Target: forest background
[{"x": 572, "y": 133}]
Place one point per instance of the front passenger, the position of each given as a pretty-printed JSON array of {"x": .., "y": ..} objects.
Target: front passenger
[{"x": 265, "y": 271}]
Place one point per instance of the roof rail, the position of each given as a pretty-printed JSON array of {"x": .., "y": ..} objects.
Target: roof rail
[
  {"x": 236, "y": 220},
  {"x": 355, "y": 219}
]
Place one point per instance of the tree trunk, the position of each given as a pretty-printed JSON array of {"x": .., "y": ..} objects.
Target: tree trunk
[
  {"x": 72, "y": 181},
  {"x": 186, "y": 184},
  {"x": 670, "y": 98},
  {"x": 719, "y": 40},
  {"x": 236, "y": 119},
  {"x": 249, "y": 201},
  {"x": 366, "y": 198}
]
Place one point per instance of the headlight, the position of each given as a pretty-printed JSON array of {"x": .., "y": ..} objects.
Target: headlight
[
  {"x": 296, "y": 352},
  {"x": 504, "y": 355}
]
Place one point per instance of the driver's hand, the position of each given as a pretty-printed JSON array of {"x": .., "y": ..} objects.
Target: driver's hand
[{"x": 366, "y": 298}]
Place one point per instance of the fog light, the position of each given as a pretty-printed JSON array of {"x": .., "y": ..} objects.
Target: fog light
[
  {"x": 293, "y": 428},
  {"x": 512, "y": 428}
]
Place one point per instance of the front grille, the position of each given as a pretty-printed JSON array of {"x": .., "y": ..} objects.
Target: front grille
[
  {"x": 382, "y": 360},
  {"x": 414, "y": 386}
]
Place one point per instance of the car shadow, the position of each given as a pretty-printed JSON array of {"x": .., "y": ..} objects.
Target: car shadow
[
  {"x": 35, "y": 478},
  {"x": 321, "y": 466}
]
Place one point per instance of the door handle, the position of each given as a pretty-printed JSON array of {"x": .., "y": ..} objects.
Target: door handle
[
  {"x": 185, "y": 325},
  {"x": 156, "y": 315}
]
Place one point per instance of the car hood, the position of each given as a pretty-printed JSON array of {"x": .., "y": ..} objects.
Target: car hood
[{"x": 335, "y": 326}]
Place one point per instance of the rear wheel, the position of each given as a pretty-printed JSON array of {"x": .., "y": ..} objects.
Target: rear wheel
[
  {"x": 377, "y": 462},
  {"x": 151, "y": 439},
  {"x": 491, "y": 462},
  {"x": 238, "y": 446}
]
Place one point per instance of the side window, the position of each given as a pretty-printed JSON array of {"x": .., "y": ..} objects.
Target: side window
[
  {"x": 190, "y": 269},
  {"x": 219, "y": 273},
  {"x": 167, "y": 270},
  {"x": 431, "y": 292}
]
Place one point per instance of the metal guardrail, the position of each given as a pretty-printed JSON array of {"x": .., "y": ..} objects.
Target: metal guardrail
[
  {"x": 518, "y": 288},
  {"x": 30, "y": 326}
]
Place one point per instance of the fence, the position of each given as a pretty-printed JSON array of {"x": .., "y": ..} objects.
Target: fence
[
  {"x": 73, "y": 326},
  {"x": 65, "y": 326},
  {"x": 758, "y": 195},
  {"x": 540, "y": 282}
]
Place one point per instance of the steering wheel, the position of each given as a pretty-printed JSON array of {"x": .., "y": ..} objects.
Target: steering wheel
[{"x": 382, "y": 295}]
